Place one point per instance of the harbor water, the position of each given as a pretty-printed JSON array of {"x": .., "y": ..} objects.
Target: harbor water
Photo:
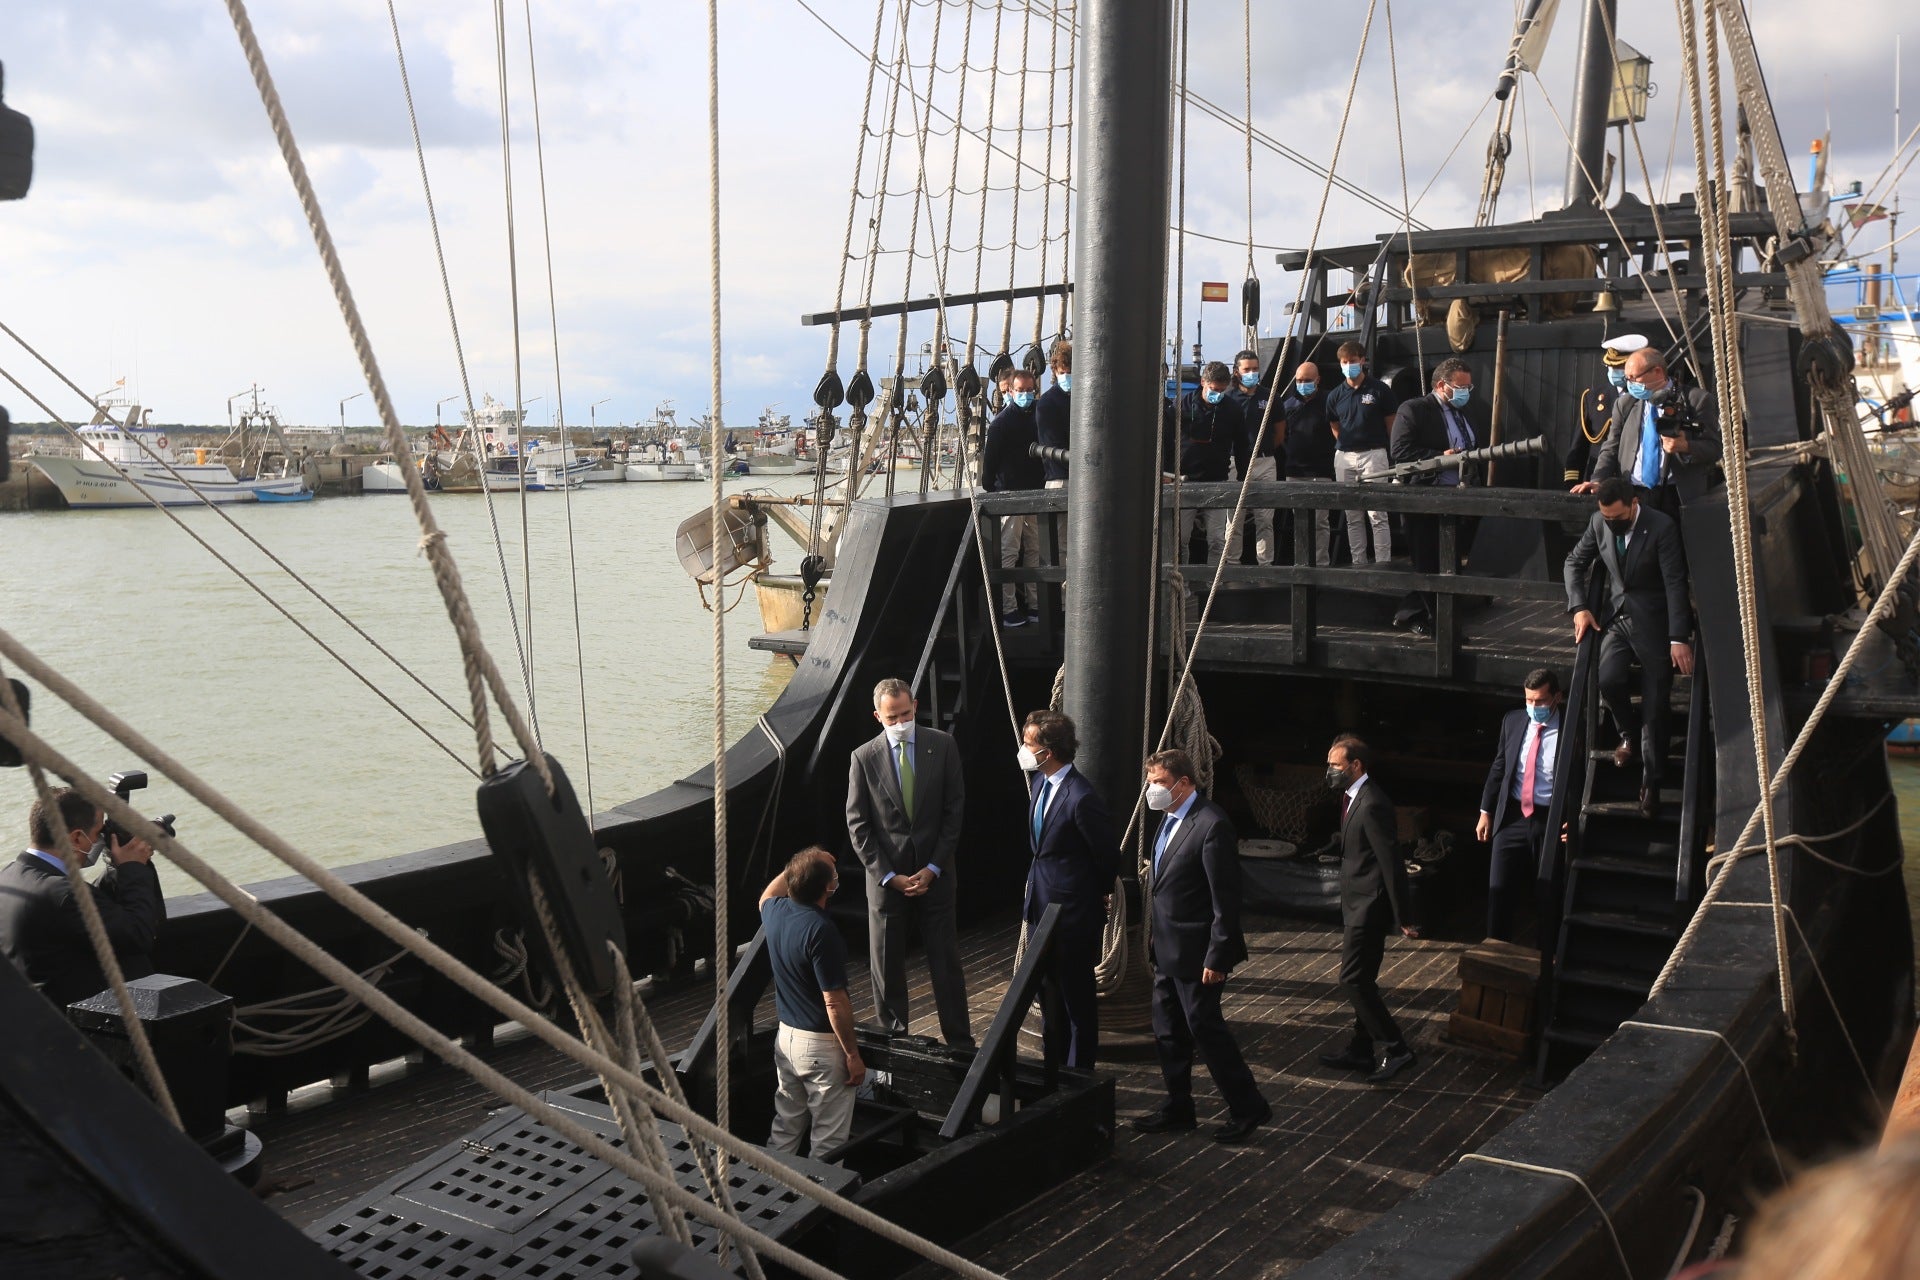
[{"x": 126, "y": 605}]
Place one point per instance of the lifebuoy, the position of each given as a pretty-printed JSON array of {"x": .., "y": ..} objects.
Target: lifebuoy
[{"x": 162, "y": 442}]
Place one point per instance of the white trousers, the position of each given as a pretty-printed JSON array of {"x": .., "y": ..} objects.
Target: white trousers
[
  {"x": 1350, "y": 467},
  {"x": 1261, "y": 518},
  {"x": 1322, "y": 526},
  {"x": 1213, "y": 522},
  {"x": 812, "y": 1093},
  {"x": 1019, "y": 543}
]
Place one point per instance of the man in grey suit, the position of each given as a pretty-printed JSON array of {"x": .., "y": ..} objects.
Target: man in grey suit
[
  {"x": 905, "y": 801},
  {"x": 1373, "y": 900},
  {"x": 1641, "y": 613},
  {"x": 1663, "y": 439}
]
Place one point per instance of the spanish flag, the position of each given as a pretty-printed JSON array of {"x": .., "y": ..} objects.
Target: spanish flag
[{"x": 1213, "y": 291}]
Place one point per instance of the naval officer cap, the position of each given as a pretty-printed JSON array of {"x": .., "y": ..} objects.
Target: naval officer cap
[{"x": 1618, "y": 349}]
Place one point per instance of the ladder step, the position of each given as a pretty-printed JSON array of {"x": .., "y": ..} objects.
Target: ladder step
[
  {"x": 1578, "y": 1037},
  {"x": 1621, "y": 922},
  {"x": 1669, "y": 806},
  {"x": 1624, "y": 867},
  {"x": 1634, "y": 984}
]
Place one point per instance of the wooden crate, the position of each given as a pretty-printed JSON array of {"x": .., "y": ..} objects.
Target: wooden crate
[{"x": 1498, "y": 981}]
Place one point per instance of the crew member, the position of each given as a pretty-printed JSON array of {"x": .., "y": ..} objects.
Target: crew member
[
  {"x": 1359, "y": 409},
  {"x": 1208, "y": 425},
  {"x": 1641, "y": 612},
  {"x": 815, "y": 1056},
  {"x": 906, "y": 798},
  {"x": 1596, "y": 407},
  {"x": 1373, "y": 900},
  {"x": 1052, "y": 414},
  {"x": 1075, "y": 858},
  {"x": 1310, "y": 450},
  {"x": 1256, "y": 454},
  {"x": 1194, "y": 943},
  {"x": 41, "y": 930},
  {"x": 1663, "y": 439},
  {"x": 1448, "y": 421},
  {"x": 1513, "y": 804},
  {"x": 1007, "y": 464}
]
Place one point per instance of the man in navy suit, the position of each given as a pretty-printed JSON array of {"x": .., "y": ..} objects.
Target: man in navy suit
[
  {"x": 1513, "y": 804},
  {"x": 1194, "y": 942},
  {"x": 1075, "y": 857}
]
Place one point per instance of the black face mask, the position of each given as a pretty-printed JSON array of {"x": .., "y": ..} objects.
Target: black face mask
[
  {"x": 1336, "y": 778},
  {"x": 1621, "y": 528}
]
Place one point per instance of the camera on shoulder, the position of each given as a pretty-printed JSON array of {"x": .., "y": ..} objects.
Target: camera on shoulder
[
  {"x": 1674, "y": 416},
  {"x": 124, "y": 784}
]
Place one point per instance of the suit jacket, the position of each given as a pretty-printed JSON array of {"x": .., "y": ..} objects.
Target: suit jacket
[
  {"x": 1196, "y": 896},
  {"x": 1052, "y": 416},
  {"x": 41, "y": 930},
  {"x": 1370, "y": 866},
  {"x": 1076, "y": 857},
  {"x": 1691, "y": 472},
  {"x": 1420, "y": 431},
  {"x": 884, "y": 841},
  {"x": 1650, "y": 588},
  {"x": 1504, "y": 774}
]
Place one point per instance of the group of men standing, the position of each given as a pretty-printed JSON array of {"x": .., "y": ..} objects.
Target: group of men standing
[{"x": 905, "y": 806}]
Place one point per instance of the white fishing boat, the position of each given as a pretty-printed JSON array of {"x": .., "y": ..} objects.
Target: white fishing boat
[
  {"x": 662, "y": 461},
  {"x": 131, "y": 464}
]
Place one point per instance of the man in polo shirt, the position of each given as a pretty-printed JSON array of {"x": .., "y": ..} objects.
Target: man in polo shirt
[
  {"x": 1359, "y": 410},
  {"x": 814, "y": 1053}
]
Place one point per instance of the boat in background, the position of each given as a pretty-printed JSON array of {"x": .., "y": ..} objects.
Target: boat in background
[{"x": 132, "y": 464}]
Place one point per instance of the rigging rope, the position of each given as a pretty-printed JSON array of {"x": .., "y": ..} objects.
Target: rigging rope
[
  {"x": 1246, "y": 51},
  {"x": 560, "y": 416}
]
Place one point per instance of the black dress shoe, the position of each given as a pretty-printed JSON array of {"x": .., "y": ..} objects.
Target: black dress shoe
[
  {"x": 1392, "y": 1063},
  {"x": 1163, "y": 1122},
  {"x": 1349, "y": 1059},
  {"x": 1237, "y": 1128},
  {"x": 1623, "y": 754},
  {"x": 1649, "y": 802}
]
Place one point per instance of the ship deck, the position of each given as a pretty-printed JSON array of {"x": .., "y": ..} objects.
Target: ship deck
[{"x": 1337, "y": 1154}]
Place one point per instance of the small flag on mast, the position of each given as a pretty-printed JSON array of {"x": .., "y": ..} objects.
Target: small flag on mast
[
  {"x": 1213, "y": 291},
  {"x": 1861, "y": 214}
]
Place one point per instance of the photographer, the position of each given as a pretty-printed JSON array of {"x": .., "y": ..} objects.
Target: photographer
[
  {"x": 1664, "y": 439},
  {"x": 40, "y": 926}
]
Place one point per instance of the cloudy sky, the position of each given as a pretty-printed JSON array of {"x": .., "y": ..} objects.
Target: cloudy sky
[{"x": 162, "y": 243}]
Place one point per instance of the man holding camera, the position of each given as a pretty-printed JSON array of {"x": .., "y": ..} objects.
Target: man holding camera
[
  {"x": 41, "y": 930},
  {"x": 1663, "y": 439}
]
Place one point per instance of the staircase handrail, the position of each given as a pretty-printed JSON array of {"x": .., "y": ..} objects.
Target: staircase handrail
[
  {"x": 1689, "y": 874},
  {"x": 1573, "y": 754}
]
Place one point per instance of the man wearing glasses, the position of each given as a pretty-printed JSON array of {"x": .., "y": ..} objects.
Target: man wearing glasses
[{"x": 1663, "y": 438}]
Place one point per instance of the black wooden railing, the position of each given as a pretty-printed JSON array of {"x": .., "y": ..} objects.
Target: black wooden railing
[
  {"x": 1696, "y": 797},
  {"x": 1565, "y": 829}
]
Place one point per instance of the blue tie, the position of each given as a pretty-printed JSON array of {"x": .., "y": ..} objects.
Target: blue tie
[
  {"x": 1160, "y": 843},
  {"x": 1650, "y": 456},
  {"x": 1040, "y": 808}
]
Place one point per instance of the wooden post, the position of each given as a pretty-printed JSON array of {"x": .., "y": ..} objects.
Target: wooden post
[{"x": 1499, "y": 387}]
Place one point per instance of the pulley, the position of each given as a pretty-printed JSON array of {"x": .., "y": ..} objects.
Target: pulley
[
  {"x": 1033, "y": 362},
  {"x": 967, "y": 383},
  {"x": 933, "y": 385},
  {"x": 829, "y": 393},
  {"x": 860, "y": 390},
  {"x": 16, "y": 150},
  {"x": 1250, "y": 302},
  {"x": 1002, "y": 363}
]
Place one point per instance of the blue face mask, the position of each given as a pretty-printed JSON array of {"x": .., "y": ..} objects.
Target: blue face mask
[
  {"x": 1639, "y": 392},
  {"x": 1306, "y": 389},
  {"x": 1460, "y": 396},
  {"x": 1618, "y": 377},
  {"x": 1064, "y": 382},
  {"x": 1215, "y": 397},
  {"x": 1250, "y": 379},
  {"x": 1024, "y": 399},
  {"x": 1353, "y": 370},
  {"x": 1539, "y": 715}
]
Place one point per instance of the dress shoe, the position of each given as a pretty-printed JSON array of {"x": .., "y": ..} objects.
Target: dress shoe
[
  {"x": 1623, "y": 754},
  {"x": 1237, "y": 1128},
  {"x": 1392, "y": 1063},
  {"x": 1649, "y": 802},
  {"x": 1350, "y": 1058},
  {"x": 1163, "y": 1122}
]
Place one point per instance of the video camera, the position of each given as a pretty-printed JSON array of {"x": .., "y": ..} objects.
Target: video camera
[
  {"x": 1674, "y": 416},
  {"x": 124, "y": 784}
]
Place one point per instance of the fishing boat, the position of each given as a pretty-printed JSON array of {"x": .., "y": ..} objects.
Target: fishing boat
[
  {"x": 1706, "y": 1002},
  {"x": 133, "y": 464}
]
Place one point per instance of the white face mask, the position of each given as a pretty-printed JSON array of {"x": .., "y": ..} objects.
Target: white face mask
[
  {"x": 1159, "y": 798},
  {"x": 1028, "y": 761},
  {"x": 898, "y": 733}
]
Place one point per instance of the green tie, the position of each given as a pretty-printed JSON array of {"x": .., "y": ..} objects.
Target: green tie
[
  {"x": 1620, "y": 547},
  {"x": 904, "y": 754}
]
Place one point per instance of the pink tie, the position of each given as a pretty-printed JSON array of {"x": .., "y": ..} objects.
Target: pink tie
[{"x": 1527, "y": 774}]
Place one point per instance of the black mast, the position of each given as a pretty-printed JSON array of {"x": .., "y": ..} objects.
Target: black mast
[
  {"x": 1120, "y": 271},
  {"x": 1593, "y": 86}
]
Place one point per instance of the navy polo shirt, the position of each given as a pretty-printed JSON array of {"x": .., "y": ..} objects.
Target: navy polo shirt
[
  {"x": 1364, "y": 414},
  {"x": 809, "y": 957}
]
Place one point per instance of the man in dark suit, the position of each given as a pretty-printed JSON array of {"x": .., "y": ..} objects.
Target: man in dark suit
[
  {"x": 1053, "y": 412},
  {"x": 905, "y": 801},
  {"x": 1448, "y": 421},
  {"x": 1642, "y": 614},
  {"x": 1373, "y": 899},
  {"x": 1075, "y": 858},
  {"x": 1194, "y": 943},
  {"x": 1663, "y": 439},
  {"x": 40, "y": 926},
  {"x": 1513, "y": 804}
]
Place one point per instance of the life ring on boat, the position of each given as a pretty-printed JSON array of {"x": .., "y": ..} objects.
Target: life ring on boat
[{"x": 162, "y": 442}]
